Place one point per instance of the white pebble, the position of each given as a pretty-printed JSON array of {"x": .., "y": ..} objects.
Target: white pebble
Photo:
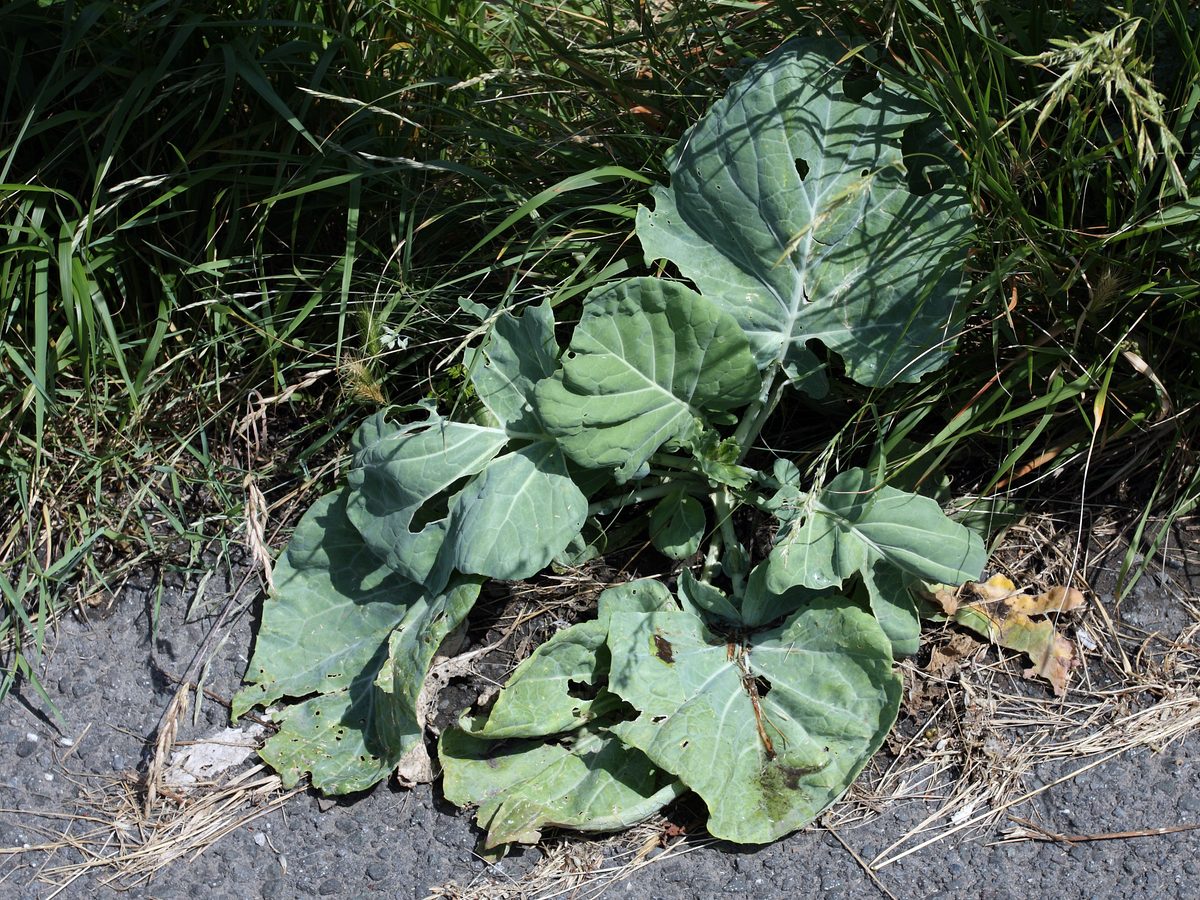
[
  {"x": 260, "y": 839},
  {"x": 48, "y": 776},
  {"x": 66, "y": 742},
  {"x": 31, "y": 737}
]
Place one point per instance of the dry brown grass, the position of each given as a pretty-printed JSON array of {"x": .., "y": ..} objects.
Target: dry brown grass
[{"x": 112, "y": 838}]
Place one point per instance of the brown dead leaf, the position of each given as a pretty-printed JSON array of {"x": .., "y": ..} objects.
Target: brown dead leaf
[
  {"x": 946, "y": 598},
  {"x": 946, "y": 660},
  {"x": 1005, "y": 617},
  {"x": 930, "y": 688}
]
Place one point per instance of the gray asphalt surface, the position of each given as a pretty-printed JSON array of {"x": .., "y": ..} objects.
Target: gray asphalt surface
[{"x": 110, "y": 681}]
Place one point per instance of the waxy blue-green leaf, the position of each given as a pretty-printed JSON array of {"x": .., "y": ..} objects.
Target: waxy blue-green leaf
[
  {"x": 705, "y": 600},
  {"x": 412, "y": 646},
  {"x": 835, "y": 532},
  {"x": 646, "y": 361},
  {"x": 768, "y": 732},
  {"x": 560, "y": 686},
  {"x": 677, "y": 525},
  {"x": 513, "y": 514},
  {"x": 349, "y": 739},
  {"x": 589, "y": 782},
  {"x": 913, "y": 534},
  {"x": 893, "y": 605},
  {"x": 332, "y": 609},
  {"x": 518, "y": 514},
  {"x": 325, "y": 631},
  {"x": 400, "y": 481},
  {"x": 816, "y": 547},
  {"x": 759, "y": 605},
  {"x": 789, "y": 206},
  {"x": 338, "y": 739},
  {"x": 519, "y": 352}
]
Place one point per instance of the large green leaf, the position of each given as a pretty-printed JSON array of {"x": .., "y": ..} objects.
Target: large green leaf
[
  {"x": 790, "y": 207},
  {"x": 400, "y": 481},
  {"x": 518, "y": 514},
  {"x": 554, "y": 690},
  {"x": 436, "y": 496},
  {"x": 559, "y": 687},
  {"x": 519, "y": 352},
  {"x": 339, "y": 739},
  {"x": 513, "y": 514},
  {"x": 331, "y": 611},
  {"x": 677, "y": 525},
  {"x": 334, "y": 621},
  {"x": 349, "y": 739},
  {"x": 835, "y": 532},
  {"x": 647, "y": 360},
  {"x": 912, "y": 533},
  {"x": 768, "y": 731},
  {"x": 892, "y": 604},
  {"x": 589, "y": 782},
  {"x": 816, "y": 547}
]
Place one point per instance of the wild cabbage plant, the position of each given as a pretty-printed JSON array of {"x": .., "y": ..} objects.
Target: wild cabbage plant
[{"x": 805, "y": 208}]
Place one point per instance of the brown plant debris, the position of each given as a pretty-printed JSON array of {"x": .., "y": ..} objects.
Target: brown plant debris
[{"x": 1005, "y": 616}]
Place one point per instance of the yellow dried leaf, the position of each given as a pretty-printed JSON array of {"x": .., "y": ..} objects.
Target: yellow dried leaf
[
  {"x": 1004, "y": 616},
  {"x": 1057, "y": 599},
  {"x": 998, "y": 587}
]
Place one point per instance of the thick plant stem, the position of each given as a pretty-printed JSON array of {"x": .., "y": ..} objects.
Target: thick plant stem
[
  {"x": 712, "y": 559},
  {"x": 759, "y": 411},
  {"x": 652, "y": 492},
  {"x": 735, "y": 554}
]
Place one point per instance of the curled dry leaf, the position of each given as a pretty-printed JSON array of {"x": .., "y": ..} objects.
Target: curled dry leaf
[{"x": 1004, "y": 615}]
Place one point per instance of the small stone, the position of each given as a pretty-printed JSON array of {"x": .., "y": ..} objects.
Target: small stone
[
  {"x": 25, "y": 749},
  {"x": 330, "y": 887},
  {"x": 377, "y": 871},
  {"x": 260, "y": 839}
]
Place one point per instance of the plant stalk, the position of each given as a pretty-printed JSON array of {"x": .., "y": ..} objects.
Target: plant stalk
[
  {"x": 652, "y": 492},
  {"x": 759, "y": 411}
]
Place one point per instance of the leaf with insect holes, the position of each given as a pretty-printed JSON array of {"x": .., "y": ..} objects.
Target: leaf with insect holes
[
  {"x": 328, "y": 629},
  {"x": 436, "y": 496},
  {"x": 801, "y": 209},
  {"x": 519, "y": 352},
  {"x": 440, "y": 496},
  {"x": 769, "y": 729}
]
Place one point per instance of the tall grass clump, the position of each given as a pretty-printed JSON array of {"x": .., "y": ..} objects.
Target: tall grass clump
[{"x": 209, "y": 205}]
